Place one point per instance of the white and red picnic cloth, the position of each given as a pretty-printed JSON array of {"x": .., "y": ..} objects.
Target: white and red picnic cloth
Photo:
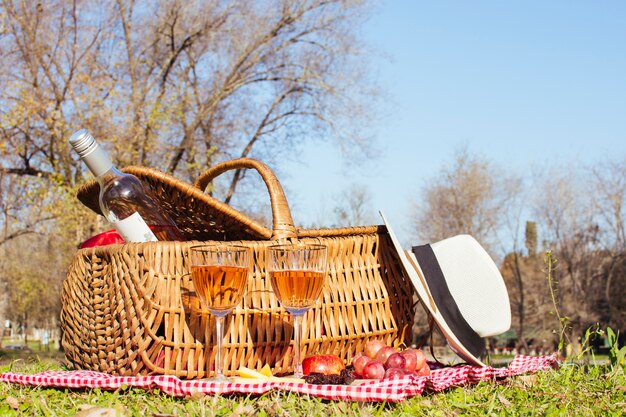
[{"x": 392, "y": 390}]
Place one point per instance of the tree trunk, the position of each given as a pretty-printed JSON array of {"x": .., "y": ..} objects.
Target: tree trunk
[
  {"x": 25, "y": 329},
  {"x": 521, "y": 311}
]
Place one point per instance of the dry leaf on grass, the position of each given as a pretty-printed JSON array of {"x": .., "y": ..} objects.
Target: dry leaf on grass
[
  {"x": 243, "y": 410},
  {"x": 97, "y": 412},
  {"x": 524, "y": 381},
  {"x": 13, "y": 402},
  {"x": 528, "y": 380},
  {"x": 504, "y": 401},
  {"x": 426, "y": 403},
  {"x": 196, "y": 395}
]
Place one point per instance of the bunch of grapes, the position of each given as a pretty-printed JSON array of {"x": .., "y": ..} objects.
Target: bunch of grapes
[{"x": 379, "y": 361}]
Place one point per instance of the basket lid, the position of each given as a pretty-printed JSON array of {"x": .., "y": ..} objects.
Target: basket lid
[
  {"x": 202, "y": 217},
  {"x": 198, "y": 215}
]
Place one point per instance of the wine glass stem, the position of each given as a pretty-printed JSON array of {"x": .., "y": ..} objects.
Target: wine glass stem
[
  {"x": 219, "y": 360},
  {"x": 297, "y": 331}
]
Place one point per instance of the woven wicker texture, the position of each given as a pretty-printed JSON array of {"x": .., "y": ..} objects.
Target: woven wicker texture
[{"x": 132, "y": 310}]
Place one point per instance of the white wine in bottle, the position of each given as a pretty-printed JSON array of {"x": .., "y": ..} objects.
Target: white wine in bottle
[{"x": 124, "y": 201}]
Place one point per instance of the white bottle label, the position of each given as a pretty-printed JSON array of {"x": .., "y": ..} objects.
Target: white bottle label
[{"x": 134, "y": 229}]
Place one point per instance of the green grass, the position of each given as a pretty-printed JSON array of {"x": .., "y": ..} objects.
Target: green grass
[{"x": 573, "y": 390}]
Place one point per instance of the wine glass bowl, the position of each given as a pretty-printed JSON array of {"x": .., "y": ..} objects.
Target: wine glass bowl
[
  {"x": 297, "y": 274},
  {"x": 297, "y": 290},
  {"x": 219, "y": 274}
]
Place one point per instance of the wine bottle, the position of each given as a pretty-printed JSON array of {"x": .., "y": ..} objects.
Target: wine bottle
[{"x": 124, "y": 201}]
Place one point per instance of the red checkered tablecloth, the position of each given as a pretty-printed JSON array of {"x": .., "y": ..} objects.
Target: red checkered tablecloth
[{"x": 393, "y": 390}]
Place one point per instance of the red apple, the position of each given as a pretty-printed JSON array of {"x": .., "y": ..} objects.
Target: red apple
[{"x": 323, "y": 364}]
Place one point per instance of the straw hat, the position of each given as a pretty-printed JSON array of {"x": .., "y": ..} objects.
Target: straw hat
[{"x": 462, "y": 288}]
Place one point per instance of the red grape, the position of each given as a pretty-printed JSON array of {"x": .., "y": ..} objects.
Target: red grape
[
  {"x": 372, "y": 347},
  {"x": 384, "y": 353},
  {"x": 394, "y": 372},
  {"x": 424, "y": 371},
  {"x": 374, "y": 370},
  {"x": 359, "y": 362},
  {"x": 410, "y": 359},
  {"x": 395, "y": 360},
  {"x": 420, "y": 358}
]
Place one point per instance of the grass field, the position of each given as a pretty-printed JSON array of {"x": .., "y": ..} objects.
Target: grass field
[{"x": 576, "y": 389}]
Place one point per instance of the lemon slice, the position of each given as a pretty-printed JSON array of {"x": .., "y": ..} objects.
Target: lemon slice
[
  {"x": 267, "y": 371},
  {"x": 250, "y": 373}
]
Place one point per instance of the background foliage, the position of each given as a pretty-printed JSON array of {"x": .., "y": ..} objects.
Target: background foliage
[{"x": 174, "y": 85}]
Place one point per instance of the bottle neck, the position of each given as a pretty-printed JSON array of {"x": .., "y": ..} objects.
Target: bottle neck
[
  {"x": 98, "y": 162},
  {"x": 91, "y": 153}
]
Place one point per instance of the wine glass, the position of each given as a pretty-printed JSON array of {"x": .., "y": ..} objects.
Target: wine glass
[
  {"x": 219, "y": 274},
  {"x": 297, "y": 274}
]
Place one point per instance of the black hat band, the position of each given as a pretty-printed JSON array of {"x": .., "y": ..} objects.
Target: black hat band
[{"x": 445, "y": 303}]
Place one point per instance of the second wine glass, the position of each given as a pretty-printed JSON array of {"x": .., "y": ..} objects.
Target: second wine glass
[{"x": 297, "y": 273}]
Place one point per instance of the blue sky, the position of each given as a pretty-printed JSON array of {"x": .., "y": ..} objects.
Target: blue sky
[{"x": 522, "y": 84}]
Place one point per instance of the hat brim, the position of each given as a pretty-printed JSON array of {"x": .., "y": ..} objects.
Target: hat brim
[{"x": 416, "y": 275}]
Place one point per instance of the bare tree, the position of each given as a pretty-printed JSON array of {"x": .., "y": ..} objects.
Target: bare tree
[
  {"x": 608, "y": 182},
  {"x": 354, "y": 207},
  {"x": 22, "y": 209},
  {"x": 467, "y": 197},
  {"x": 564, "y": 210},
  {"x": 32, "y": 288},
  {"x": 530, "y": 302},
  {"x": 609, "y": 192},
  {"x": 513, "y": 266},
  {"x": 176, "y": 85}
]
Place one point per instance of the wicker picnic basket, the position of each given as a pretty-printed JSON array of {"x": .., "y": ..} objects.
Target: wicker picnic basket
[{"x": 131, "y": 309}]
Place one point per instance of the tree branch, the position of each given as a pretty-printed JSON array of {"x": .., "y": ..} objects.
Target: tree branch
[{"x": 28, "y": 171}]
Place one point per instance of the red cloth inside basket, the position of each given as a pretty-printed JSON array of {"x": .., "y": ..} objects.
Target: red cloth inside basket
[{"x": 110, "y": 237}]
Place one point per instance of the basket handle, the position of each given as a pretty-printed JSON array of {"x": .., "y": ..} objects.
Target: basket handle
[{"x": 283, "y": 227}]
